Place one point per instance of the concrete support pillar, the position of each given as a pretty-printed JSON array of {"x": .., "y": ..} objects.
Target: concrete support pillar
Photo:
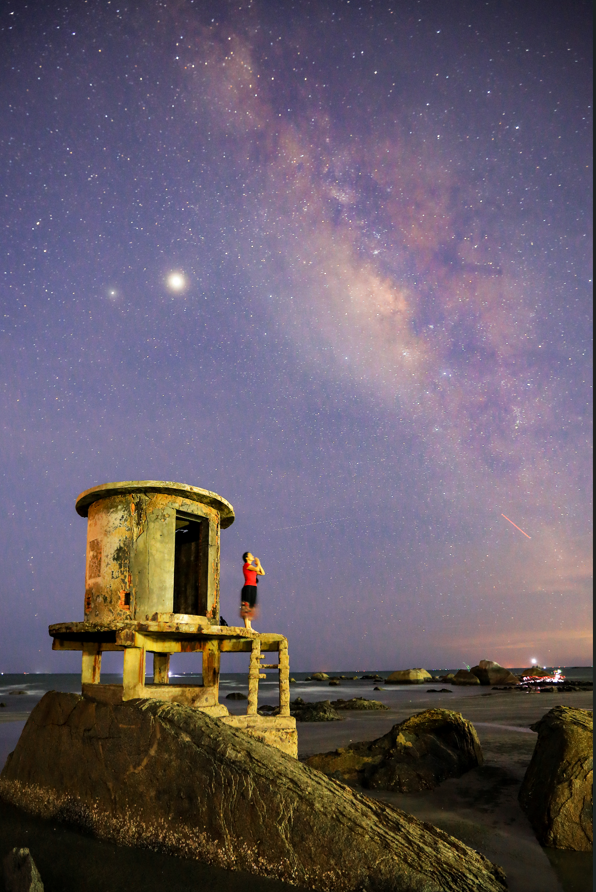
[
  {"x": 133, "y": 675},
  {"x": 91, "y": 667},
  {"x": 161, "y": 668},
  {"x": 253, "y": 677},
  {"x": 211, "y": 663},
  {"x": 284, "y": 678}
]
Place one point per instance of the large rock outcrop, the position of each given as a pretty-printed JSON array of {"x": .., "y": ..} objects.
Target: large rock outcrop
[
  {"x": 317, "y": 711},
  {"x": 166, "y": 776},
  {"x": 417, "y": 754},
  {"x": 489, "y": 672},
  {"x": 325, "y": 710},
  {"x": 358, "y": 703},
  {"x": 556, "y": 792},
  {"x": 463, "y": 677},
  {"x": 409, "y": 676}
]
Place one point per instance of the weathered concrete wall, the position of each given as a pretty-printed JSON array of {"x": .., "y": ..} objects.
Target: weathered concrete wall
[
  {"x": 278, "y": 731},
  {"x": 130, "y": 556},
  {"x": 108, "y": 577}
]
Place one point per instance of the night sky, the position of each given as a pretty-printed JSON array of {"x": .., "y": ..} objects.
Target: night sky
[{"x": 331, "y": 260}]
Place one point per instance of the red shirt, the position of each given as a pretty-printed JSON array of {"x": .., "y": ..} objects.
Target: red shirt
[{"x": 250, "y": 574}]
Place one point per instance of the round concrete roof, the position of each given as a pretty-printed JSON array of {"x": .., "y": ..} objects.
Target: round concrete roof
[{"x": 126, "y": 487}]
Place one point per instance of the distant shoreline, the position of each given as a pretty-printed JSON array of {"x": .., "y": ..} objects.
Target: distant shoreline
[{"x": 514, "y": 669}]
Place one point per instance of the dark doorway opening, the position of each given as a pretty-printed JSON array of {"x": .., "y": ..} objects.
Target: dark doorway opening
[{"x": 191, "y": 551}]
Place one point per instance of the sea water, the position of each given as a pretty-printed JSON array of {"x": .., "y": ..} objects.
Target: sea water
[{"x": 21, "y": 692}]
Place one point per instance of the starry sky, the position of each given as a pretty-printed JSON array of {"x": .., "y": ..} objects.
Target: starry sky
[{"x": 330, "y": 259}]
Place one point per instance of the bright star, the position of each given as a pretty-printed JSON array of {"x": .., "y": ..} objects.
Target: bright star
[{"x": 176, "y": 282}]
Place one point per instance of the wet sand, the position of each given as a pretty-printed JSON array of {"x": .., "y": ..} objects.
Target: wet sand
[{"x": 480, "y": 808}]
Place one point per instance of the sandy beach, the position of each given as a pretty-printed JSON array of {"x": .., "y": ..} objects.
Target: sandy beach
[{"x": 480, "y": 808}]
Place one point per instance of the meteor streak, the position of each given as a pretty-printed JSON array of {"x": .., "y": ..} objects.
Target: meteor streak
[
  {"x": 311, "y": 524},
  {"x": 516, "y": 526}
]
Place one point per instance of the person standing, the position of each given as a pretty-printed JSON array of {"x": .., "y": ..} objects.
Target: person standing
[{"x": 248, "y": 598}]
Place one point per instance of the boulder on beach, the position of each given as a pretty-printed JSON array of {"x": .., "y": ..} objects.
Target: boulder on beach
[
  {"x": 318, "y": 711},
  {"x": 417, "y": 754},
  {"x": 556, "y": 792},
  {"x": 169, "y": 777},
  {"x": 21, "y": 873},
  {"x": 463, "y": 677},
  {"x": 358, "y": 703},
  {"x": 488, "y": 672},
  {"x": 319, "y": 676},
  {"x": 409, "y": 676}
]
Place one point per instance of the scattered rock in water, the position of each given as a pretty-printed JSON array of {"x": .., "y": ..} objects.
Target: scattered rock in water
[
  {"x": 334, "y": 683},
  {"x": 319, "y": 711},
  {"x": 409, "y": 676},
  {"x": 236, "y": 695},
  {"x": 293, "y": 681},
  {"x": 439, "y": 691},
  {"x": 171, "y": 778},
  {"x": 417, "y": 754},
  {"x": 556, "y": 792},
  {"x": 463, "y": 677},
  {"x": 319, "y": 676},
  {"x": 376, "y": 688},
  {"x": 21, "y": 873},
  {"x": 358, "y": 703},
  {"x": 489, "y": 672},
  {"x": 372, "y": 678},
  {"x": 265, "y": 709},
  {"x": 3, "y": 705}
]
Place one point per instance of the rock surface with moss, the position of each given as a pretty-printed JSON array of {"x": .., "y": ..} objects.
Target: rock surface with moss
[{"x": 170, "y": 777}]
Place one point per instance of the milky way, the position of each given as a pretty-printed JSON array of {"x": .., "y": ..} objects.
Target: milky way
[{"x": 332, "y": 261}]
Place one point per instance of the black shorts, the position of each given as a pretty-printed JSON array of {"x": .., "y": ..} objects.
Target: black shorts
[{"x": 248, "y": 595}]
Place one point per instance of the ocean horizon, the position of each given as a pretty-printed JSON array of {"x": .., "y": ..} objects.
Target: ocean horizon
[{"x": 21, "y": 691}]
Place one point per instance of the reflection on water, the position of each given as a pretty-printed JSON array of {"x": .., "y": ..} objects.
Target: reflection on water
[{"x": 574, "y": 870}]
